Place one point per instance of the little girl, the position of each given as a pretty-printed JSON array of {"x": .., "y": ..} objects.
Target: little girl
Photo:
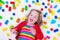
[{"x": 30, "y": 28}]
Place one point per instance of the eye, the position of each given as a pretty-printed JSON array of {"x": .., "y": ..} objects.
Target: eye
[{"x": 31, "y": 15}]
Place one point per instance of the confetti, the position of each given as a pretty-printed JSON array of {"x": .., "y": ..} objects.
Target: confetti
[
  {"x": 43, "y": 3},
  {"x": 26, "y": 7},
  {"x": 13, "y": 14},
  {"x": 45, "y": 6},
  {"x": 12, "y": 2},
  {"x": 48, "y": 32},
  {"x": 48, "y": 17},
  {"x": 1, "y": 17},
  {"x": 3, "y": 10},
  {"x": 57, "y": 0},
  {"x": 58, "y": 25},
  {"x": 59, "y": 18},
  {"x": 55, "y": 6},
  {"x": 51, "y": 6},
  {"x": 48, "y": 37},
  {"x": 45, "y": 22},
  {"x": 4, "y": 29},
  {"x": 58, "y": 11},
  {"x": 54, "y": 38},
  {"x": 45, "y": 27},
  {"x": 11, "y": 26},
  {"x": 58, "y": 34},
  {"x": 7, "y": 34},
  {"x": 56, "y": 30},
  {"x": 55, "y": 17},
  {"x": 0, "y": 24},
  {"x": 41, "y": 9},
  {"x": 11, "y": 18},
  {"x": 22, "y": 10},
  {"x": 18, "y": 20},
  {"x": 51, "y": 29},
  {"x": 37, "y": 0},
  {"x": 26, "y": 1},
  {"x": 33, "y": 1},
  {"x": 53, "y": 12},
  {"x": 53, "y": 21},
  {"x": 52, "y": 1},
  {"x": 6, "y": 22},
  {"x": 7, "y": 2},
  {"x": 24, "y": 18},
  {"x": 0, "y": 7},
  {"x": 29, "y": 5},
  {"x": 9, "y": 9},
  {"x": 6, "y": 6}
]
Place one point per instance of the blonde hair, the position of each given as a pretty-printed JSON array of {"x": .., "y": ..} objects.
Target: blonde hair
[{"x": 39, "y": 21}]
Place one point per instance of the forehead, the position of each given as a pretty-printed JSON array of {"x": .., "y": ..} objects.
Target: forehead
[{"x": 34, "y": 12}]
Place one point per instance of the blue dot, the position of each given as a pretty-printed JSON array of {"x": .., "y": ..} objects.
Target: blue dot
[
  {"x": 3, "y": 10},
  {"x": 56, "y": 30},
  {"x": 6, "y": 22},
  {"x": 33, "y": 1},
  {"x": 37, "y": 0},
  {"x": 44, "y": 15},
  {"x": 55, "y": 17},
  {"x": 13, "y": 14},
  {"x": 58, "y": 11},
  {"x": 53, "y": 21},
  {"x": 48, "y": 32},
  {"x": 58, "y": 25},
  {"x": 55, "y": 6},
  {"x": 26, "y": 1},
  {"x": 0, "y": 7},
  {"x": 7, "y": 2},
  {"x": 43, "y": 3},
  {"x": 45, "y": 6}
]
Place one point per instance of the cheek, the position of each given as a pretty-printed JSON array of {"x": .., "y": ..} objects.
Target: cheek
[{"x": 34, "y": 19}]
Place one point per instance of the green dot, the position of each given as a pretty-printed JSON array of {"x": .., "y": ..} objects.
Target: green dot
[
  {"x": 11, "y": 18},
  {"x": 13, "y": 5},
  {"x": 52, "y": 1},
  {"x": 0, "y": 17},
  {"x": 26, "y": 7},
  {"x": 11, "y": 26}
]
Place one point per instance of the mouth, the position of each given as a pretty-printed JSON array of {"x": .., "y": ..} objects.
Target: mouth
[{"x": 31, "y": 20}]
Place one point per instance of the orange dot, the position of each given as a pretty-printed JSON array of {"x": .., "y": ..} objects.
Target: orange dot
[
  {"x": 45, "y": 22},
  {"x": 49, "y": 10},
  {"x": 48, "y": 4},
  {"x": 22, "y": 10},
  {"x": 14, "y": 8},
  {"x": 45, "y": 38},
  {"x": 18, "y": 20}
]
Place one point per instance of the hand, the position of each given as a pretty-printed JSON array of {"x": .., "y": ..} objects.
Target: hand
[
  {"x": 14, "y": 31},
  {"x": 33, "y": 31}
]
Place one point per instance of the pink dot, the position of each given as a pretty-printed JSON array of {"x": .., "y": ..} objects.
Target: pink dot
[
  {"x": 51, "y": 6},
  {"x": 29, "y": 5},
  {"x": 0, "y": 24},
  {"x": 48, "y": 37}
]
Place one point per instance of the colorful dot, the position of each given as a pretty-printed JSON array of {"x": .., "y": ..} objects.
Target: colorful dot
[
  {"x": 26, "y": 1},
  {"x": 45, "y": 27},
  {"x": 48, "y": 37},
  {"x": 6, "y": 6},
  {"x": 0, "y": 24},
  {"x": 29, "y": 5},
  {"x": 4, "y": 29},
  {"x": 11, "y": 18},
  {"x": 51, "y": 6},
  {"x": 18, "y": 20},
  {"x": 51, "y": 29},
  {"x": 45, "y": 22},
  {"x": 26, "y": 7},
  {"x": 55, "y": 17},
  {"x": 55, "y": 6},
  {"x": 54, "y": 38},
  {"x": 11, "y": 26},
  {"x": 58, "y": 25},
  {"x": 0, "y": 7},
  {"x": 13, "y": 14},
  {"x": 6, "y": 22},
  {"x": 1, "y": 17},
  {"x": 59, "y": 34},
  {"x": 45, "y": 6},
  {"x": 53, "y": 21},
  {"x": 48, "y": 32},
  {"x": 58, "y": 11},
  {"x": 37, "y": 0},
  {"x": 7, "y": 2},
  {"x": 44, "y": 15},
  {"x": 56, "y": 30},
  {"x": 33, "y": 1},
  {"x": 3, "y": 10},
  {"x": 43, "y": 3},
  {"x": 41, "y": 9}
]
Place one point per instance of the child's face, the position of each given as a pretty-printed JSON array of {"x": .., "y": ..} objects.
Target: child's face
[{"x": 33, "y": 17}]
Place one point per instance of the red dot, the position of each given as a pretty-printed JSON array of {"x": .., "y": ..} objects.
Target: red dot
[
  {"x": 48, "y": 0},
  {"x": 9, "y": 9},
  {"x": 41, "y": 9},
  {"x": 51, "y": 29},
  {"x": 10, "y": 39},
  {"x": 12, "y": 2},
  {"x": 6, "y": 6}
]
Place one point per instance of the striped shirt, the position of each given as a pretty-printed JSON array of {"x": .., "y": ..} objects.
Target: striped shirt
[{"x": 26, "y": 34}]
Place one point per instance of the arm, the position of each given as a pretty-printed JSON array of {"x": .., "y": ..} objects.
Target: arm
[{"x": 39, "y": 34}]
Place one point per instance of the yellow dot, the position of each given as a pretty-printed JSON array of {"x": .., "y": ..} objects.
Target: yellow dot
[
  {"x": 4, "y": 29},
  {"x": 54, "y": 38},
  {"x": 18, "y": 1},
  {"x": 53, "y": 13},
  {"x": 7, "y": 34},
  {"x": 48, "y": 17},
  {"x": 17, "y": 4},
  {"x": 59, "y": 18},
  {"x": 59, "y": 34},
  {"x": 24, "y": 18},
  {"x": 0, "y": 4},
  {"x": 37, "y": 3},
  {"x": 57, "y": 0}
]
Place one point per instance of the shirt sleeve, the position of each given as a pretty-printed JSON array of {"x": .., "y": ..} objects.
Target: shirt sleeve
[{"x": 39, "y": 34}]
